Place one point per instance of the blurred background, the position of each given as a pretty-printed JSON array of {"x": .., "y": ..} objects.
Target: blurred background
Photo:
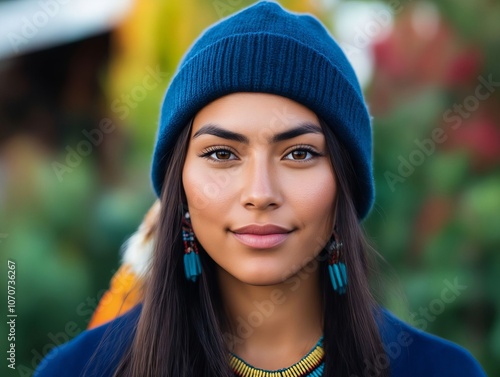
[{"x": 81, "y": 83}]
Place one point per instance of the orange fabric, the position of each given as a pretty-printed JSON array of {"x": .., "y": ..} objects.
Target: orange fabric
[{"x": 123, "y": 294}]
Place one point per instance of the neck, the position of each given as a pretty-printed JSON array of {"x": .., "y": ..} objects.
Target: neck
[{"x": 272, "y": 327}]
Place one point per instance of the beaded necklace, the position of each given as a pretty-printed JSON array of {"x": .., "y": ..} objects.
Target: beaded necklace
[{"x": 311, "y": 365}]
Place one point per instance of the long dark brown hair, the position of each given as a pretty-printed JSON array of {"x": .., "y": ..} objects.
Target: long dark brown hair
[{"x": 180, "y": 329}]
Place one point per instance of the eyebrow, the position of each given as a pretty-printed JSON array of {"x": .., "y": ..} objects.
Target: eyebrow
[{"x": 301, "y": 129}]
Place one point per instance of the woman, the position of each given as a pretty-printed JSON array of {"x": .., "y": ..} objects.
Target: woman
[{"x": 263, "y": 168}]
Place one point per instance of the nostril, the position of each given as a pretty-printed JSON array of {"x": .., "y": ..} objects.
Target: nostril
[{"x": 260, "y": 205}]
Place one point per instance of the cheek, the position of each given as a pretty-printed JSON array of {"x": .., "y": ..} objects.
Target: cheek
[
  {"x": 312, "y": 193},
  {"x": 206, "y": 189},
  {"x": 205, "y": 202}
]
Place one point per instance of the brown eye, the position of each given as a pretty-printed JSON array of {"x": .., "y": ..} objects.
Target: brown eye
[
  {"x": 218, "y": 154},
  {"x": 299, "y": 154},
  {"x": 302, "y": 153},
  {"x": 223, "y": 155}
]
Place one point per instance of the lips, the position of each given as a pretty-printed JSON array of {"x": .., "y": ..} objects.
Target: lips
[{"x": 261, "y": 236}]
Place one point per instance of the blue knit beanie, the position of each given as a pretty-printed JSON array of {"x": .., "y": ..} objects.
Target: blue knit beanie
[{"x": 266, "y": 49}]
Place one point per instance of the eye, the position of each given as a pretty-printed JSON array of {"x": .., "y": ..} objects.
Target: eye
[
  {"x": 221, "y": 155},
  {"x": 218, "y": 154},
  {"x": 299, "y": 154},
  {"x": 302, "y": 153}
]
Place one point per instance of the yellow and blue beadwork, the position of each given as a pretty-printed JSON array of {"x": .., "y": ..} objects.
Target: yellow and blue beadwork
[{"x": 311, "y": 365}]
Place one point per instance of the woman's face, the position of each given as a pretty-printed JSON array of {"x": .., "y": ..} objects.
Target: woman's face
[{"x": 260, "y": 186}]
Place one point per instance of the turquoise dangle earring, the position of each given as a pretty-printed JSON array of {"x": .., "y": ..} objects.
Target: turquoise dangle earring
[
  {"x": 192, "y": 265},
  {"x": 337, "y": 269}
]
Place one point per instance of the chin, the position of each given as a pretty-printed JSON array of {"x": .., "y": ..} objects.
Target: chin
[{"x": 261, "y": 276}]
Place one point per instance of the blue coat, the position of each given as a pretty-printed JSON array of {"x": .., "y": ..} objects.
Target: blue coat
[{"x": 411, "y": 352}]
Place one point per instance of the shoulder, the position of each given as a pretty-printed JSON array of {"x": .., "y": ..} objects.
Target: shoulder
[
  {"x": 412, "y": 352},
  {"x": 95, "y": 352}
]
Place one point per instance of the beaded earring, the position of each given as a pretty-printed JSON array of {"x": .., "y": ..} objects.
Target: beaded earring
[
  {"x": 192, "y": 265},
  {"x": 336, "y": 268}
]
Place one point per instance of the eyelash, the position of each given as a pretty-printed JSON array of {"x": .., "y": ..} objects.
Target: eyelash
[
  {"x": 211, "y": 150},
  {"x": 306, "y": 148},
  {"x": 206, "y": 153}
]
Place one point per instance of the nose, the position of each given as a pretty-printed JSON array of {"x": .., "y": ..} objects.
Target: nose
[{"x": 261, "y": 187}]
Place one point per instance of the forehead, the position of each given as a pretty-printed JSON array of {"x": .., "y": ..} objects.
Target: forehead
[{"x": 245, "y": 112}]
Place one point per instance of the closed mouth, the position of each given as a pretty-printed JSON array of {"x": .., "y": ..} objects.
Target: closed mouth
[{"x": 261, "y": 236}]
